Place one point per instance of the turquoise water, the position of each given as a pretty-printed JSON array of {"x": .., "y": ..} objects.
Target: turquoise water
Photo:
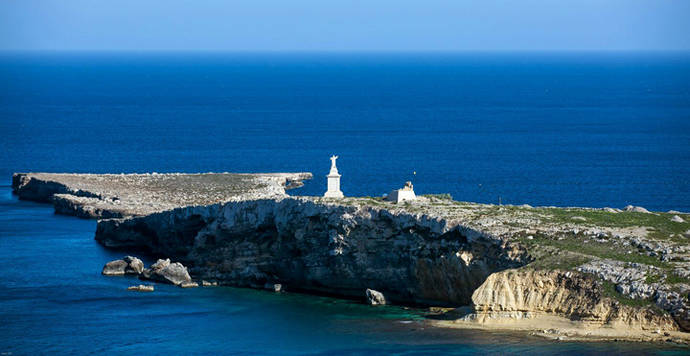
[
  {"x": 581, "y": 129},
  {"x": 54, "y": 300}
]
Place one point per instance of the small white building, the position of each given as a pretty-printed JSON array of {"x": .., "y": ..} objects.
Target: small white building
[
  {"x": 404, "y": 194},
  {"x": 333, "y": 181}
]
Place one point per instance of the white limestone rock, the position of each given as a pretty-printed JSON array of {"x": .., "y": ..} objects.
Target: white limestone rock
[
  {"x": 127, "y": 265},
  {"x": 677, "y": 219},
  {"x": 375, "y": 297},
  {"x": 167, "y": 272},
  {"x": 636, "y": 209},
  {"x": 141, "y": 288}
]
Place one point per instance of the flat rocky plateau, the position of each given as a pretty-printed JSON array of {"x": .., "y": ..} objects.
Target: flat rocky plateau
[
  {"x": 564, "y": 273},
  {"x": 120, "y": 195}
]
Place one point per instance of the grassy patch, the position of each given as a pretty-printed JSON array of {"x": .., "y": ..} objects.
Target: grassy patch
[
  {"x": 444, "y": 196},
  {"x": 652, "y": 278},
  {"x": 563, "y": 260},
  {"x": 660, "y": 223},
  {"x": 577, "y": 244},
  {"x": 672, "y": 278}
]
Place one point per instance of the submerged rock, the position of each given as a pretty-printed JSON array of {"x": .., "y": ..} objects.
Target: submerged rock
[
  {"x": 141, "y": 288},
  {"x": 167, "y": 272},
  {"x": 375, "y": 297},
  {"x": 127, "y": 265}
]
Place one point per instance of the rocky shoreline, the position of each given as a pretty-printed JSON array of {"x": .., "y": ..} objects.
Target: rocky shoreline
[{"x": 593, "y": 270}]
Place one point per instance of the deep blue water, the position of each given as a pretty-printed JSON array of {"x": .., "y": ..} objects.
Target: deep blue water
[{"x": 582, "y": 129}]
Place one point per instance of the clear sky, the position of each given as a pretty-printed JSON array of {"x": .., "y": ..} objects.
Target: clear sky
[{"x": 345, "y": 25}]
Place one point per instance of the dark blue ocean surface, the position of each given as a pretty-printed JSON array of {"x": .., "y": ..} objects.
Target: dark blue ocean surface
[
  {"x": 581, "y": 129},
  {"x": 543, "y": 129}
]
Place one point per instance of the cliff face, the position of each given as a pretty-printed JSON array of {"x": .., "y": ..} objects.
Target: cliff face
[
  {"x": 30, "y": 188},
  {"x": 320, "y": 247},
  {"x": 529, "y": 293}
]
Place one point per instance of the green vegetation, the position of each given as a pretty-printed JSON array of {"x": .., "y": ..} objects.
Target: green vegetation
[
  {"x": 548, "y": 259},
  {"x": 672, "y": 278},
  {"x": 652, "y": 278},
  {"x": 576, "y": 244},
  {"x": 660, "y": 224},
  {"x": 444, "y": 196}
]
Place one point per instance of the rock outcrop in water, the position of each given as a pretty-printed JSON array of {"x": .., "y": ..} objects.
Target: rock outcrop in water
[
  {"x": 141, "y": 288},
  {"x": 127, "y": 265},
  {"x": 168, "y": 272},
  {"x": 375, "y": 297}
]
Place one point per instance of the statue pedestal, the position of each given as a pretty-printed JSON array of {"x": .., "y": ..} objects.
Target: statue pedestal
[{"x": 333, "y": 186}]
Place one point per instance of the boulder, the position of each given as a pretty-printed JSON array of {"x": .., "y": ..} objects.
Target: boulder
[
  {"x": 127, "y": 265},
  {"x": 636, "y": 209},
  {"x": 134, "y": 265},
  {"x": 375, "y": 297},
  {"x": 189, "y": 285},
  {"x": 114, "y": 268},
  {"x": 209, "y": 284},
  {"x": 141, "y": 288},
  {"x": 677, "y": 219},
  {"x": 167, "y": 272},
  {"x": 276, "y": 287}
]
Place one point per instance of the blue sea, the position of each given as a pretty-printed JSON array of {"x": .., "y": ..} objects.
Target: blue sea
[{"x": 563, "y": 129}]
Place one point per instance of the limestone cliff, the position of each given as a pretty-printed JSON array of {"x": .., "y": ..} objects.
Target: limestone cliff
[
  {"x": 529, "y": 293},
  {"x": 321, "y": 247}
]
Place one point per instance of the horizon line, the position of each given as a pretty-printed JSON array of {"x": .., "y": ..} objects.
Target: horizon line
[{"x": 304, "y": 51}]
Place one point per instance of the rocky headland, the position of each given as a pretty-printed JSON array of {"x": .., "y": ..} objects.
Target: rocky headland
[{"x": 560, "y": 272}]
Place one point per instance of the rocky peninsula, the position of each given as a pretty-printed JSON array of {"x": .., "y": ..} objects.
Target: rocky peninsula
[{"x": 557, "y": 272}]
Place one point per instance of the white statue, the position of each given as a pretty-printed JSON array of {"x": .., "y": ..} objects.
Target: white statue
[
  {"x": 333, "y": 181},
  {"x": 334, "y": 169}
]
